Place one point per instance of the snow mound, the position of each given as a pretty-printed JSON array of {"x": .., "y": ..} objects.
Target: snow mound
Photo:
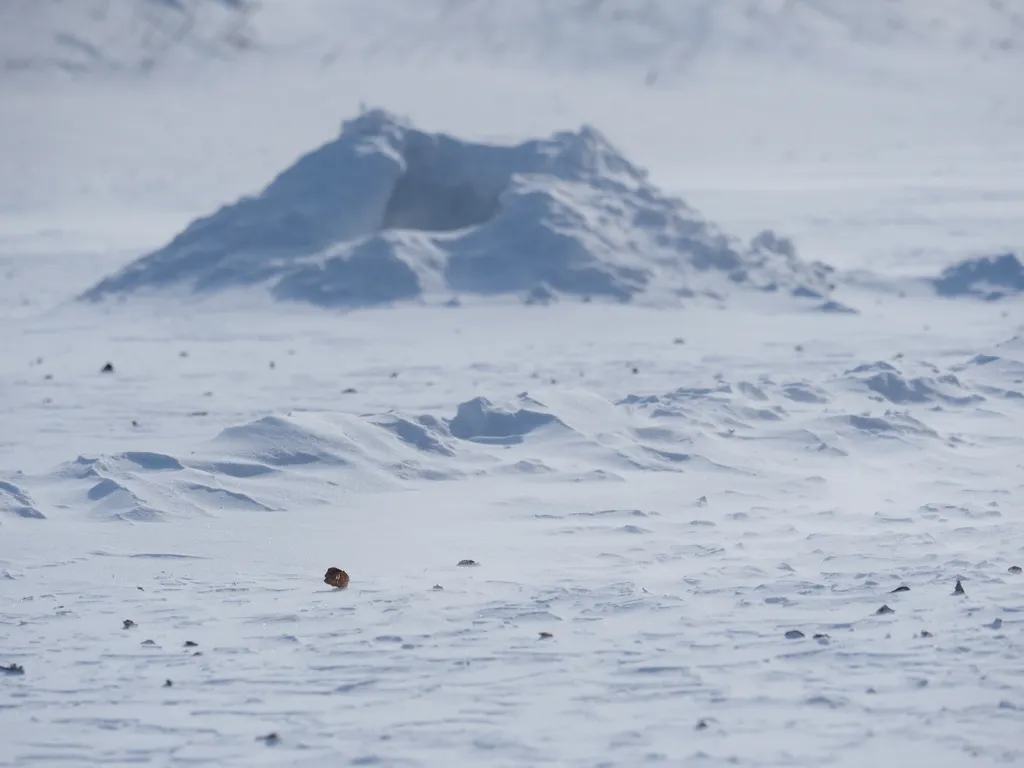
[
  {"x": 988, "y": 277},
  {"x": 889, "y": 383},
  {"x": 482, "y": 421},
  {"x": 387, "y": 213},
  {"x": 15, "y": 501}
]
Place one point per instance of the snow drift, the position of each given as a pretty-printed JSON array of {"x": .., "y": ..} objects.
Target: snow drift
[
  {"x": 386, "y": 213},
  {"x": 555, "y": 435},
  {"x": 988, "y": 277}
]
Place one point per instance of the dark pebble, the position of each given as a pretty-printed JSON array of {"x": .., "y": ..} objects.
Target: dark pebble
[
  {"x": 149, "y": 642},
  {"x": 270, "y": 739},
  {"x": 12, "y": 669},
  {"x": 884, "y": 610},
  {"x": 959, "y": 588},
  {"x": 794, "y": 634},
  {"x": 925, "y": 633},
  {"x": 820, "y": 636},
  {"x": 545, "y": 635},
  {"x": 437, "y": 588},
  {"x": 467, "y": 563},
  {"x": 349, "y": 391},
  {"x": 168, "y": 683},
  {"x": 1015, "y": 569},
  {"x": 899, "y": 589},
  {"x": 128, "y": 624},
  {"x": 190, "y": 644},
  {"x": 702, "y": 725},
  {"x": 108, "y": 368}
]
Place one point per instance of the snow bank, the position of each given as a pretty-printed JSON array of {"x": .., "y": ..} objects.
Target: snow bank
[
  {"x": 387, "y": 213},
  {"x": 988, "y": 277}
]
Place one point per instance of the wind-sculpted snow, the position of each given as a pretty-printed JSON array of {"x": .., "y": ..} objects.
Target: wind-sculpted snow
[
  {"x": 889, "y": 383},
  {"x": 564, "y": 433},
  {"x": 15, "y": 501},
  {"x": 388, "y": 213},
  {"x": 988, "y": 277},
  {"x": 754, "y": 530}
]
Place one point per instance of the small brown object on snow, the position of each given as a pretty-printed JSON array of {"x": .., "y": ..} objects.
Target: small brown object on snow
[
  {"x": 270, "y": 739},
  {"x": 108, "y": 368},
  {"x": 168, "y": 683},
  {"x": 959, "y": 588},
  {"x": 467, "y": 563},
  {"x": 336, "y": 578},
  {"x": 128, "y": 623},
  {"x": 545, "y": 635}
]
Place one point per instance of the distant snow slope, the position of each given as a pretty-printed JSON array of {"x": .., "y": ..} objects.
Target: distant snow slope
[
  {"x": 661, "y": 37},
  {"x": 388, "y": 213},
  {"x": 118, "y": 35}
]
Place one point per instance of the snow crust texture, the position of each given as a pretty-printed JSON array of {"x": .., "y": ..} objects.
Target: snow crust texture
[{"x": 706, "y": 540}]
